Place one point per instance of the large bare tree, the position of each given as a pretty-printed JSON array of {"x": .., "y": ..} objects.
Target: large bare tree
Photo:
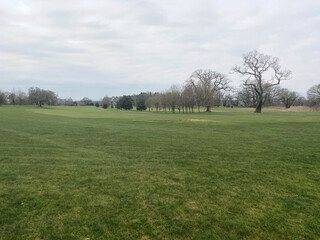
[
  {"x": 206, "y": 84},
  {"x": 256, "y": 67}
]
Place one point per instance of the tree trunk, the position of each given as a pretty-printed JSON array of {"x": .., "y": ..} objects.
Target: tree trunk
[
  {"x": 208, "y": 109},
  {"x": 258, "y": 107},
  {"x": 287, "y": 104}
]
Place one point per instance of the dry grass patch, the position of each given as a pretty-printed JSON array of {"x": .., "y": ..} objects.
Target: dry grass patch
[
  {"x": 299, "y": 109},
  {"x": 197, "y": 120},
  {"x": 294, "y": 109}
]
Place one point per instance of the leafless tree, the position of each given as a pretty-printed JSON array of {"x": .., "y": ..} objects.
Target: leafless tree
[
  {"x": 39, "y": 96},
  {"x": 188, "y": 98},
  {"x": 314, "y": 95},
  {"x": 218, "y": 98},
  {"x": 255, "y": 67},
  {"x": 149, "y": 103},
  {"x": 173, "y": 97},
  {"x": 21, "y": 98},
  {"x": 300, "y": 101},
  {"x": 288, "y": 97},
  {"x": 206, "y": 83},
  {"x": 3, "y": 99},
  {"x": 66, "y": 102},
  {"x": 105, "y": 102},
  {"x": 164, "y": 99},
  {"x": 69, "y": 102},
  {"x": 246, "y": 97},
  {"x": 12, "y": 97},
  {"x": 156, "y": 99},
  {"x": 86, "y": 102},
  {"x": 227, "y": 100},
  {"x": 273, "y": 96}
]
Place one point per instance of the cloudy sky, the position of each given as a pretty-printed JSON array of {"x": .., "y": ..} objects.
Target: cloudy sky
[{"x": 93, "y": 48}]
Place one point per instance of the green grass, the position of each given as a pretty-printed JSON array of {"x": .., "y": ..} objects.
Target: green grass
[{"x": 84, "y": 172}]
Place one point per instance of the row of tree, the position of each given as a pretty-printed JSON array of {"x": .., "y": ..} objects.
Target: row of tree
[
  {"x": 35, "y": 96},
  {"x": 261, "y": 76},
  {"x": 183, "y": 99},
  {"x": 42, "y": 97},
  {"x": 187, "y": 99}
]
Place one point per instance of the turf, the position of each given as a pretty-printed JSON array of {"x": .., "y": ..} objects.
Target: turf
[{"x": 84, "y": 172}]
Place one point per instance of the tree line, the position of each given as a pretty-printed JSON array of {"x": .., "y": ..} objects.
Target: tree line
[{"x": 205, "y": 88}]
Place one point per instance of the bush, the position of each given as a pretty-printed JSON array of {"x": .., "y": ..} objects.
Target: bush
[{"x": 105, "y": 105}]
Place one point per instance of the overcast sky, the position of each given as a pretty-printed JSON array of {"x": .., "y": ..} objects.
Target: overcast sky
[{"x": 93, "y": 48}]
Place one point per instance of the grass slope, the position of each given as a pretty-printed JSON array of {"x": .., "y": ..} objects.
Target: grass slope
[{"x": 84, "y": 172}]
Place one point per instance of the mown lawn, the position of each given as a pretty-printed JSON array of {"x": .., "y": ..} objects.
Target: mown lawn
[{"x": 84, "y": 172}]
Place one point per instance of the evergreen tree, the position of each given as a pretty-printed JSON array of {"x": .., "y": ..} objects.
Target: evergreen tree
[{"x": 125, "y": 102}]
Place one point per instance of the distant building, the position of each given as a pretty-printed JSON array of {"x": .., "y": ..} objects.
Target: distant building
[{"x": 114, "y": 100}]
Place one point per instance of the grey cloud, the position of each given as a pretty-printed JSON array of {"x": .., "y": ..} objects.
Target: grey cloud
[
  {"x": 37, "y": 50},
  {"x": 149, "y": 44}
]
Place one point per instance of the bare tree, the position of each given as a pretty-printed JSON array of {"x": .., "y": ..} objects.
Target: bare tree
[
  {"x": 12, "y": 97},
  {"x": 188, "y": 98},
  {"x": 314, "y": 95},
  {"x": 272, "y": 96},
  {"x": 255, "y": 67},
  {"x": 206, "y": 84},
  {"x": 69, "y": 102},
  {"x": 246, "y": 97},
  {"x": 173, "y": 97},
  {"x": 3, "y": 99},
  {"x": 218, "y": 98},
  {"x": 288, "y": 97},
  {"x": 21, "y": 98},
  {"x": 300, "y": 101},
  {"x": 227, "y": 100},
  {"x": 39, "y": 96},
  {"x": 149, "y": 103},
  {"x": 156, "y": 99},
  {"x": 164, "y": 101},
  {"x": 86, "y": 102},
  {"x": 66, "y": 102},
  {"x": 105, "y": 102}
]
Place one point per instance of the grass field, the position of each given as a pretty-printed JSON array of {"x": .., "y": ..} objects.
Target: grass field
[{"x": 84, "y": 172}]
